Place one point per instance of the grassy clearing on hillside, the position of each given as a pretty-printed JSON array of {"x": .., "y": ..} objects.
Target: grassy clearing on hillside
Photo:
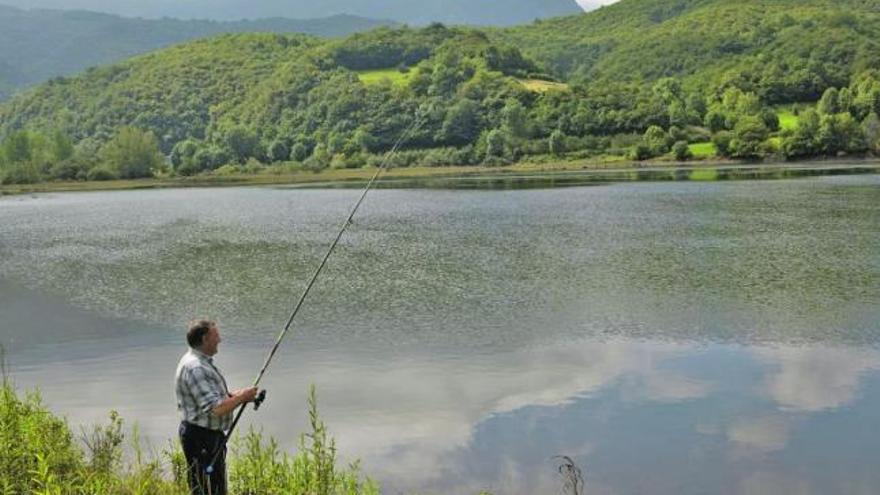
[
  {"x": 787, "y": 119},
  {"x": 703, "y": 150},
  {"x": 541, "y": 86},
  {"x": 394, "y": 76}
]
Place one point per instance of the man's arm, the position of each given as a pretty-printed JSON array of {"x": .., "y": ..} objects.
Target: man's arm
[
  {"x": 212, "y": 399},
  {"x": 234, "y": 400}
]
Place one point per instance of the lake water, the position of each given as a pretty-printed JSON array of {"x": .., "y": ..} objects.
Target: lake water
[{"x": 670, "y": 337}]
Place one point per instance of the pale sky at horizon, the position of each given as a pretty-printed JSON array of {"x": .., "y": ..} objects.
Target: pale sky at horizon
[{"x": 592, "y": 4}]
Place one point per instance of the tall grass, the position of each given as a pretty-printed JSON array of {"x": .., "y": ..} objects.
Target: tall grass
[
  {"x": 40, "y": 455},
  {"x": 258, "y": 466}
]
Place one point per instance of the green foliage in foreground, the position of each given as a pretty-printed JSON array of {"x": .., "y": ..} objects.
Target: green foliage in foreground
[{"x": 40, "y": 455}]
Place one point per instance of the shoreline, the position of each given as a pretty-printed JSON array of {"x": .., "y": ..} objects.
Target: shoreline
[{"x": 614, "y": 170}]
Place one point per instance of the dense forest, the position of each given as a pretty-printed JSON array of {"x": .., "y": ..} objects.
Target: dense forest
[
  {"x": 36, "y": 45},
  {"x": 640, "y": 78}
]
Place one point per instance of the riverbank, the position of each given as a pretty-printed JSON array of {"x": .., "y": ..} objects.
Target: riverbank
[
  {"x": 585, "y": 171},
  {"x": 40, "y": 453}
]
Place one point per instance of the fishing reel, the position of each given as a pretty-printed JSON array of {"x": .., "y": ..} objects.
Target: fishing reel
[{"x": 259, "y": 399}]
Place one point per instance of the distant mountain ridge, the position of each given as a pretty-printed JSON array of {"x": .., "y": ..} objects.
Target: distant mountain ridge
[
  {"x": 36, "y": 45},
  {"x": 482, "y": 12}
]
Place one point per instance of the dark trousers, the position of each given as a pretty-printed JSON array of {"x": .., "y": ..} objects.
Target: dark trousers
[{"x": 199, "y": 446}]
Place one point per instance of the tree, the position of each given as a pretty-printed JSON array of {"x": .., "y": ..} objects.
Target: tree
[
  {"x": 851, "y": 131},
  {"x": 515, "y": 118},
  {"x": 462, "y": 123},
  {"x": 715, "y": 120},
  {"x": 682, "y": 151},
  {"x": 641, "y": 151},
  {"x": 62, "y": 147},
  {"x": 299, "y": 152},
  {"x": 183, "y": 152},
  {"x": 865, "y": 90},
  {"x": 242, "y": 143},
  {"x": 657, "y": 139},
  {"x": 829, "y": 103},
  {"x": 748, "y": 138},
  {"x": 319, "y": 160},
  {"x": 556, "y": 143},
  {"x": 279, "y": 151},
  {"x": 721, "y": 140},
  {"x": 771, "y": 119},
  {"x": 201, "y": 161},
  {"x": 133, "y": 153},
  {"x": 802, "y": 141},
  {"x": 17, "y": 147},
  {"x": 496, "y": 144},
  {"x": 364, "y": 140},
  {"x": 871, "y": 131},
  {"x": 839, "y": 133}
]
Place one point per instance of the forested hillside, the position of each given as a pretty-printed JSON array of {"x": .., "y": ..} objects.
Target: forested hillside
[
  {"x": 785, "y": 50},
  {"x": 643, "y": 78},
  {"x": 36, "y": 45}
]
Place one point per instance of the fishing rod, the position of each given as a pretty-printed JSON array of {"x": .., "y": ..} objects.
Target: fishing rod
[{"x": 348, "y": 221}]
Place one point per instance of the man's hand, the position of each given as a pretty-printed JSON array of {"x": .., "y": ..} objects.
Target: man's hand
[
  {"x": 234, "y": 400},
  {"x": 245, "y": 395}
]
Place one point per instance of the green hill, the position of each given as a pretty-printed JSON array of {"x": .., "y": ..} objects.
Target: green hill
[
  {"x": 784, "y": 49},
  {"x": 36, "y": 45},
  {"x": 676, "y": 71}
]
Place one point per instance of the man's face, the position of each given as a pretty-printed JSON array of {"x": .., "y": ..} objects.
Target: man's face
[{"x": 212, "y": 340}]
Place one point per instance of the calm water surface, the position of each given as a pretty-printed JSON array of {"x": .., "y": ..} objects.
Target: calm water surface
[{"x": 672, "y": 338}]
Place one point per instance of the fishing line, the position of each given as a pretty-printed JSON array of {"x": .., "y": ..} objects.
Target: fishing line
[{"x": 348, "y": 221}]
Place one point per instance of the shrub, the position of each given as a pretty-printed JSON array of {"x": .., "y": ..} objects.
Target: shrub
[
  {"x": 495, "y": 161},
  {"x": 447, "y": 157},
  {"x": 37, "y": 450},
  {"x": 299, "y": 152},
  {"x": 641, "y": 151},
  {"x": 101, "y": 172},
  {"x": 253, "y": 166},
  {"x": 21, "y": 173},
  {"x": 721, "y": 140},
  {"x": 227, "y": 170},
  {"x": 748, "y": 138},
  {"x": 133, "y": 153},
  {"x": 278, "y": 151},
  {"x": 682, "y": 151},
  {"x": 67, "y": 170}
]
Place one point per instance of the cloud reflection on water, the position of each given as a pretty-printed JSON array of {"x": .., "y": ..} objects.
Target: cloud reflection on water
[
  {"x": 815, "y": 378},
  {"x": 462, "y": 420},
  {"x": 425, "y": 421}
]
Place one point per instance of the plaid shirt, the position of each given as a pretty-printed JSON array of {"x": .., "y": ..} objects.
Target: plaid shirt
[{"x": 200, "y": 388}]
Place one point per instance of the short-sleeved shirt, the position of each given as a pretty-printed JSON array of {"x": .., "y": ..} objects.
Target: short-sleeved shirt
[{"x": 200, "y": 388}]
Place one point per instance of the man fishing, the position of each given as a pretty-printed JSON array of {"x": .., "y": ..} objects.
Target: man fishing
[
  {"x": 206, "y": 407},
  {"x": 202, "y": 396}
]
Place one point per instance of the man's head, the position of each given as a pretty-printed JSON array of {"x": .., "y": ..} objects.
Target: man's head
[{"x": 203, "y": 335}]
